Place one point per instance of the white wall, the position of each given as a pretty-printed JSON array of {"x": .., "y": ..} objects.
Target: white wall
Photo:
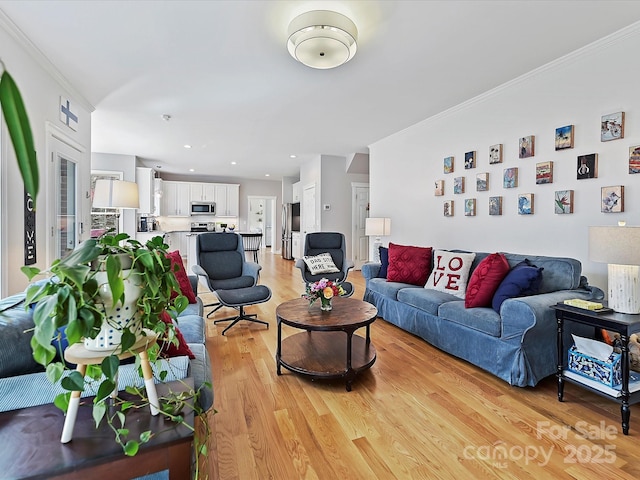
[
  {"x": 41, "y": 88},
  {"x": 579, "y": 89}
]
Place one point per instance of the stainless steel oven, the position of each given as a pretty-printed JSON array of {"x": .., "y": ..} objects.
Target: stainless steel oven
[{"x": 203, "y": 208}]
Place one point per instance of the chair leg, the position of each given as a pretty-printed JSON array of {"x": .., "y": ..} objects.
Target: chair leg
[
  {"x": 241, "y": 316},
  {"x": 217, "y": 305}
]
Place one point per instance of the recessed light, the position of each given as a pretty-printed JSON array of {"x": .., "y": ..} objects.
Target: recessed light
[
  {"x": 267, "y": 175},
  {"x": 192, "y": 170},
  {"x": 234, "y": 163},
  {"x": 292, "y": 156},
  {"x": 187, "y": 146}
]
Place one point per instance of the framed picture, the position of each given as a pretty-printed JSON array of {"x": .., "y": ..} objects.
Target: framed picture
[
  {"x": 495, "y": 153},
  {"x": 448, "y": 165},
  {"x": 544, "y": 173},
  {"x": 587, "y": 166},
  {"x": 470, "y": 207},
  {"x": 634, "y": 159},
  {"x": 612, "y": 127},
  {"x": 612, "y": 199},
  {"x": 482, "y": 182},
  {"x": 563, "y": 201},
  {"x": 458, "y": 185},
  {"x": 564, "y": 137},
  {"x": 439, "y": 188},
  {"x": 470, "y": 160},
  {"x": 495, "y": 205},
  {"x": 448, "y": 208},
  {"x": 510, "y": 177},
  {"x": 526, "y": 146},
  {"x": 525, "y": 204}
]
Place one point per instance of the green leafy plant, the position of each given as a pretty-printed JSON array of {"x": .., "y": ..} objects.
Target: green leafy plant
[
  {"x": 20, "y": 132},
  {"x": 70, "y": 299}
]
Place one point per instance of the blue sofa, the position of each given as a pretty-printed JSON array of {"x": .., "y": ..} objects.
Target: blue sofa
[
  {"x": 517, "y": 345},
  {"x": 19, "y": 372}
]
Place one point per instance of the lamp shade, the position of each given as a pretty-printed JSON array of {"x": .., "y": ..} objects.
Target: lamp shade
[
  {"x": 377, "y": 227},
  {"x": 109, "y": 193},
  {"x": 322, "y": 39},
  {"x": 615, "y": 245}
]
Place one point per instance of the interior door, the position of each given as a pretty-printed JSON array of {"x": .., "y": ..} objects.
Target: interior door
[
  {"x": 308, "y": 211},
  {"x": 360, "y": 243},
  {"x": 67, "y": 231}
]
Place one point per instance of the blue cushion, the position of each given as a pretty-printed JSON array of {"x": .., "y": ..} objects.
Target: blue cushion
[
  {"x": 384, "y": 260},
  {"x": 523, "y": 279}
]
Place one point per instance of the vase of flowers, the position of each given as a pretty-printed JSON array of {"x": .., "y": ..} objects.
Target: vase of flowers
[{"x": 324, "y": 290}]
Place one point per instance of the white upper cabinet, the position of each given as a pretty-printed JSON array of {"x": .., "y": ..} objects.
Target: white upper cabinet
[
  {"x": 145, "y": 180},
  {"x": 202, "y": 192},
  {"x": 175, "y": 198},
  {"x": 297, "y": 192},
  {"x": 227, "y": 198}
]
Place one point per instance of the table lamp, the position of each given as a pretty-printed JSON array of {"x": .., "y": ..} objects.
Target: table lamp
[
  {"x": 110, "y": 193},
  {"x": 619, "y": 247},
  {"x": 377, "y": 227}
]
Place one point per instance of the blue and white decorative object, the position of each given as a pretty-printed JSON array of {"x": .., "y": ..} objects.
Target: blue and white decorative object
[{"x": 606, "y": 372}]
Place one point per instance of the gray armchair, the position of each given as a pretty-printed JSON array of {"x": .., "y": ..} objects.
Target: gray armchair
[
  {"x": 334, "y": 244},
  {"x": 223, "y": 266}
]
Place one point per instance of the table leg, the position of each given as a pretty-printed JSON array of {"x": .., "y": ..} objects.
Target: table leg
[
  {"x": 72, "y": 410},
  {"x": 279, "y": 348},
  {"x": 559, "y": 340},
  {"x": 147, "y": 373},
  {"x": 350, "y": 374},
  {"x": 624, "y": 360}
]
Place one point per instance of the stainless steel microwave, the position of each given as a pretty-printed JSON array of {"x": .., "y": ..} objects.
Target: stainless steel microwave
[{"x": 203, "y": 208}]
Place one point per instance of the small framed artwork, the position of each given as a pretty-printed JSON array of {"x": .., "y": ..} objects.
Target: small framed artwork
[
  {"x": 544, "y": 173},
  {"x": 448, "y": 165},
  {"x": 482, "y": 182},
  {"x": 526, "y": 146},
  {"x": 563, "y": 201},
  {"x": 495, "y": 205},
  {"x": 448, "y": 208},
  {"x": 510, "y": 177},
  {"x": 470, "y": 160},
  {"x": 634, "y": 159},
  {"x": 564, "y": 137},
  {"x": 439, "y": 188},
  {"x": 587, "y": 166},
  {"x": 495, "y": 153},
  {"x": 525, "y": 204},
  {"x": 612, "y": 127},
  {"x": 470, "y": 207},
  {"x": 612, "y": 199},
  {"x": 458, "y": 185}
]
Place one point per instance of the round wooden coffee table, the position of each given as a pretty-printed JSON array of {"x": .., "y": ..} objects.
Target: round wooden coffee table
[{"x": 328, "y": 348}]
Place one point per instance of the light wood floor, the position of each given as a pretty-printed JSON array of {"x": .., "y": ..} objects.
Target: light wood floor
[{"x": 418, "y": 413}]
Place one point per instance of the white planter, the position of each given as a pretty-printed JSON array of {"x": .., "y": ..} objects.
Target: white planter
[{"x": 118, "y": 316}]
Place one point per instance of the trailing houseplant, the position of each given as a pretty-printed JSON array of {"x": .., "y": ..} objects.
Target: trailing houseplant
[{"x": 72, "y": 304}]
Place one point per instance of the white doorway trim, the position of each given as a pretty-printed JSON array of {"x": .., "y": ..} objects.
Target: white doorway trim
[
  {"x": 272, "y": 203},
  {"x": 357, "y": 255}
]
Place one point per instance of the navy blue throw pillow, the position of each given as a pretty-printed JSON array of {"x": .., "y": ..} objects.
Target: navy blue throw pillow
[
  {"x": 384, "y": 260},
  {"x": 522, "y": 280}
]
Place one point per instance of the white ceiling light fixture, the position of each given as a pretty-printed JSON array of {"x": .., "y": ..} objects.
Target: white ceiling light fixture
[{"x": 322, "y": 39}]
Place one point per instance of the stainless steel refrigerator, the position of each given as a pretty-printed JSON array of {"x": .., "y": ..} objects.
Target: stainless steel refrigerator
[{"x": 290, "y": 224}]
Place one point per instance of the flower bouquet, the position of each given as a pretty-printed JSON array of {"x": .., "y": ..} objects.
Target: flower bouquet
[{"x": 324, "y": 290}]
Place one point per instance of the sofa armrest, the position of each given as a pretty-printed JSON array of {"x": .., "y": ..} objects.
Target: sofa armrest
[
  {"x": 370, "y": 270},
  {"x": 533, "y": 316}
]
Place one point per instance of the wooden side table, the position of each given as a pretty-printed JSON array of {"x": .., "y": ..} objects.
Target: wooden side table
[
  {"x": 622, "y": 323},
  {"x": 78, "y": 354}
]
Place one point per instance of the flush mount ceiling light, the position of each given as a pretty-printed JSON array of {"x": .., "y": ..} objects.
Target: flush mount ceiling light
[{"x": 322, "y": 39}]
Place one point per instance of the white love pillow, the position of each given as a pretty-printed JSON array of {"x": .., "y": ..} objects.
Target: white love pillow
[{"x": 450, "y": 272}]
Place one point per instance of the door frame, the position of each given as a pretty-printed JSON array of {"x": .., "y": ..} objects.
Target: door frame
[
  {"x": 274, "y": 200},
  {"x": 354, "y": 218}
]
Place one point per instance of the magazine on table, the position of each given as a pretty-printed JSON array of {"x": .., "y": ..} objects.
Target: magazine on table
[{"x": 634, "y": 383}]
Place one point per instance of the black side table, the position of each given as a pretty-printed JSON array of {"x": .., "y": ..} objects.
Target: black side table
[{"x": 625, "y": 325}]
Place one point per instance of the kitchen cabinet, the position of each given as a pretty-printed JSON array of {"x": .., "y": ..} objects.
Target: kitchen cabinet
[
  {"x": 227, "y": 198},
  {"x": 175, "y": 198},
  {"x": 296, "y": 245},
  {"x": 145, "y": 181},
  {"x": 202, "y": 192},
  {"x": 297, "y": 192},
  {"x": 179, "y": 241}
]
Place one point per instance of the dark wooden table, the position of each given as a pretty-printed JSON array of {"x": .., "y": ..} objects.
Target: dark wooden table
[
  {"x": 31, "y": 447},
  {"x": 328, "y": 348},
  {"x": 622, "y": 323}
]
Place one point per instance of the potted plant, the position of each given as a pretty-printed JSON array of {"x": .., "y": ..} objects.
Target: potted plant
[{"x": 96, "y": 278}]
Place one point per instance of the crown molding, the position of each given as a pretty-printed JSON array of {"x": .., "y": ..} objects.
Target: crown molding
[
  {"x": 42, "y": 60},
  {"x": 600, "y": 44}
]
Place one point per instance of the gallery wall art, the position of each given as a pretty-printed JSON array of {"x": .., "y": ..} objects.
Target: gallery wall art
[
  {"x": 525, "y": 204},
  {"x": 470, "y": 160},
  {"x": 510, "y": 177},
  {"x": 495, "y": 205},
  {"x": 612, "y": 199},
  {"x": 448, "y": 165},
  {"x": 526, "y": 146},
  {"x": 482, "y": 182},
  {"x": 587, "y": 166},
  {"x": 439, "y": 188},
  {"x": 458, "y": 185},
  {"x": 563, "y": 201},
  {"x": 564, "y": 137},
  {"x": 612, "y": 127},
  {"x": 544, "y": 173},
  {"x": 470, "y": 207},
  {"x": 495, "y": 153},
  {"x": 634, "y": 159},
  {"x": 448, "y": 208}
]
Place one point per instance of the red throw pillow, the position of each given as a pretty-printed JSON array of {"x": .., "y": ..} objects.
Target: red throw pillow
[
  {"x": 168, "y": 349},
  {"x": 409, "y": 264},
  {"x": 181, "y": 277},
  {"x": 485, "y": 280}
]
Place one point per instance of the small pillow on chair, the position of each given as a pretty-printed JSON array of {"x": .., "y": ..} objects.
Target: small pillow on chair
[{"x": 322, "y": 263}]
